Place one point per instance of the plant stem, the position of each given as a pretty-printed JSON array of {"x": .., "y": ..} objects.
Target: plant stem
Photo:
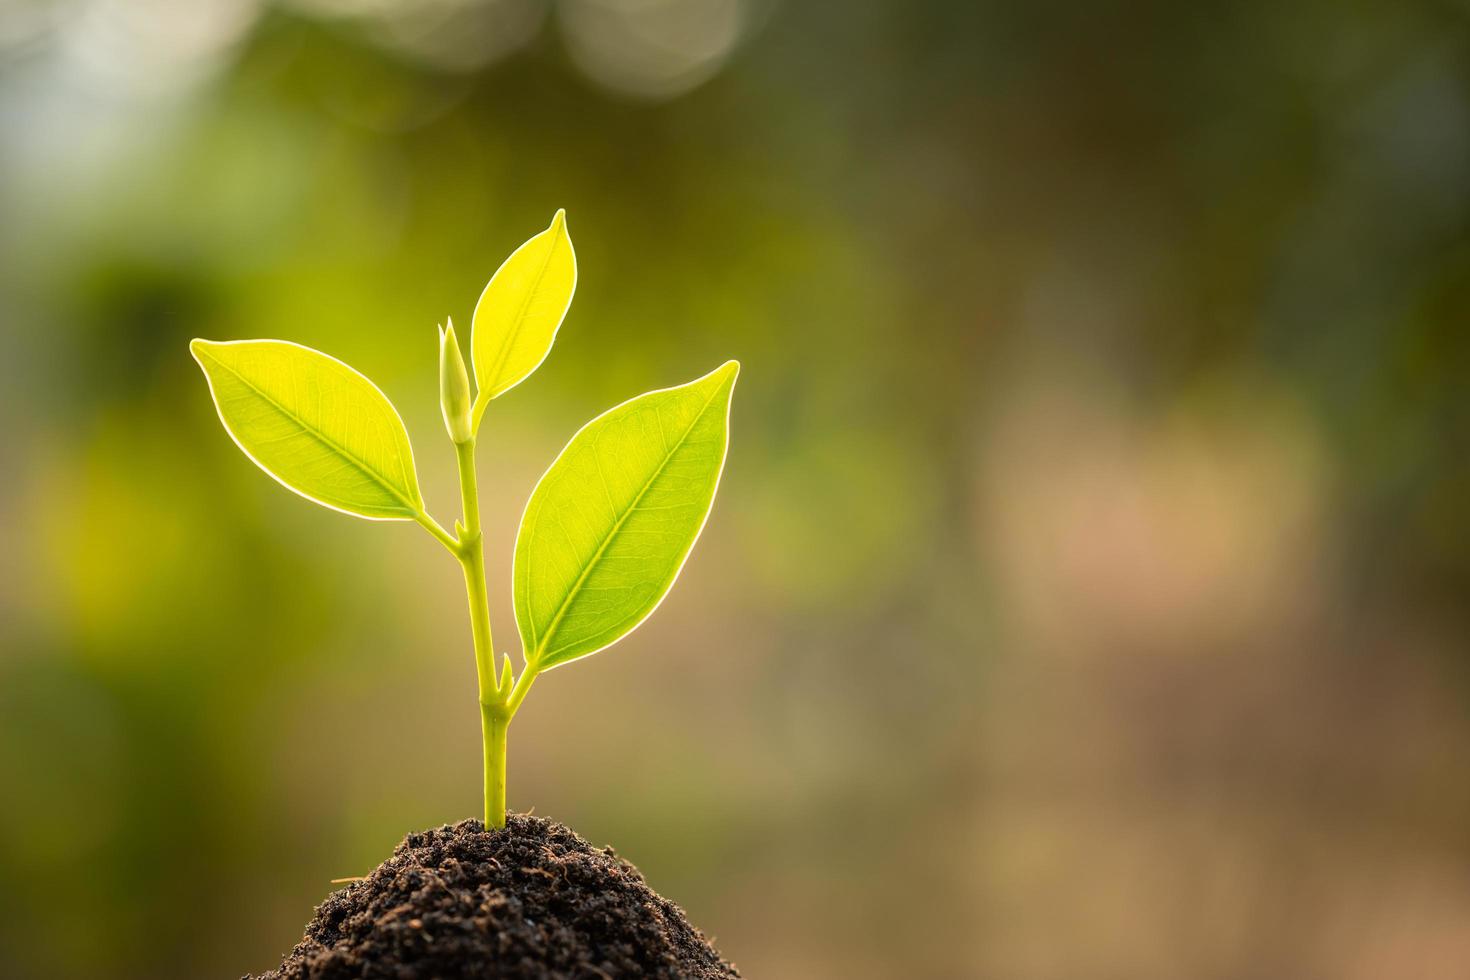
[
  {"x": 494, "y": 718},
  {"x": 471, "y": 554},
  {"x": 499, "y": 698},
  {"x": 440, "y": 535},
  {"x": 518, "y": 693},
  {"x": 494, "y": 723}
]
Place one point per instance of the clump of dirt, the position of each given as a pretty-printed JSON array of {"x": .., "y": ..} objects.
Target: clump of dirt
[{"x": 530, "y": 902}]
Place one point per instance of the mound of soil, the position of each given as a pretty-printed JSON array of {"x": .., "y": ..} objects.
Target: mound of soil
[{"x": 530, "y": 902}]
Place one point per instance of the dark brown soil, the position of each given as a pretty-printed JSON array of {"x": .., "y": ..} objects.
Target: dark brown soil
[{"x": 531, "y": 902}]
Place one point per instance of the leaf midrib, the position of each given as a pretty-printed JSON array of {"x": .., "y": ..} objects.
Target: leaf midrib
[
  {"x": 326, "y": 440},
  {"x": 503, "y": 353},
  {"x": 612, "y": 533}
]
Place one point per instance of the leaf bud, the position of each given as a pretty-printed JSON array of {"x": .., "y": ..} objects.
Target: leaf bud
[{"x": 454, "y": 387}]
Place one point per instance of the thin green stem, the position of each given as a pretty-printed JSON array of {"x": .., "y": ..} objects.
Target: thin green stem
[
  {"x": 522, "y": 685},
  {"x": 428, "y": 523},
  {"x": 494, "y": 719},
  {"x": 474, "y": 583},
  {"x": 494, "y": 723},
  {"x": 471, "y": 554},
  {"x": 499, "y": 697},
  {"x": 468, "y": 488}
]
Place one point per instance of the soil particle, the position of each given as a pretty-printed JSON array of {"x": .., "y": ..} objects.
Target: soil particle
[{"x": 530, "y": 902}]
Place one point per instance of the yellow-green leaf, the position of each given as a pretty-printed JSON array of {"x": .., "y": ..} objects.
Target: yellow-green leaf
[
  {"x": 520, "y": 310},
  {"x": 611, "y": 523},
  {"x": 314, "y": 424}
]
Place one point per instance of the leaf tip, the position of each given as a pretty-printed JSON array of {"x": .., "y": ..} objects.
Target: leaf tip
[
  {"x": 559, "y": 220},
  {"x": 197, "y": 347},
  {"x": 724, "y": 374}
]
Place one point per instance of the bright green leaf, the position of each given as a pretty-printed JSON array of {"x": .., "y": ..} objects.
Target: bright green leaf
[
  {"x": 520, "y": 310},
  {"x": 610, "y": 524},
  {"x": 314, "y": 424}
]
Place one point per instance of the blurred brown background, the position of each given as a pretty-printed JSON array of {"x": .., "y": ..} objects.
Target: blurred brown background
[{"x": 1087, "y": 593}]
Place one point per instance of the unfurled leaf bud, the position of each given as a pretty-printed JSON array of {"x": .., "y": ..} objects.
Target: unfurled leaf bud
[{"x": 454, "y": 387}]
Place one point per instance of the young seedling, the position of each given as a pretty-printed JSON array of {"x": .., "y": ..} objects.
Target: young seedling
[{"x": 607, "y": 528}]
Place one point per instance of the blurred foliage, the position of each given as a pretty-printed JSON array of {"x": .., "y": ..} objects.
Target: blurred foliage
[{"x": 1087, "y": 593}]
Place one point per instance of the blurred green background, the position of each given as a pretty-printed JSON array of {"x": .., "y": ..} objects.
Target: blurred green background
[{"x": 1088, "y": 595}]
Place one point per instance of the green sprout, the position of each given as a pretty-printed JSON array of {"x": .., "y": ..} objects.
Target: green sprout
[{"x": 606, "y": 530}]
